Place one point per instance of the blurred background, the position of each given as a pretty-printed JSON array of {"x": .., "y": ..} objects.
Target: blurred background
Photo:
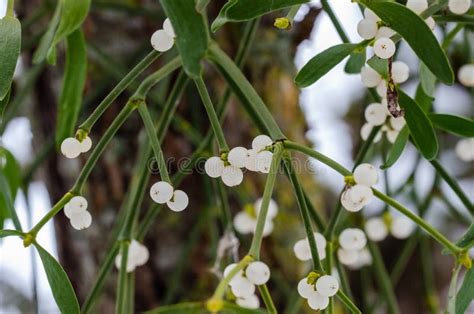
[{"x": 328, "y": 115}]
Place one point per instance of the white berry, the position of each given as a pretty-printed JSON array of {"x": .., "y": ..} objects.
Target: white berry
[
  {"x": 251, "y": 160},
  {"x": 370, "y": 77},
  {"x": 367, "y": 28},
  {"x": 80, "y": 221},
  {"x": 397, "y": 123},
  {"x": 237, "y": 277},
  {"x": 347, "y": 257},
  {"x": 401, "y": 227},
  {"x": 352, "y": 239},
  {"x": 257, "y": 273},
  {"x": 302, "y": 250},
  {"x": 317, "y": 301},
  {"x": 237, "y": 157},
  {"x": 385, "y": 31},
  {"x": 375, "y": 114},
  {"x": 168, "y": 28},
  {"x": 272, "y": 208},
  {"x": 366, "y": 130},
  {"x": 360, "y": 194},
  {"x": 327, "y": 285},
  {"x": 161, "y": 41},
  {"x": 384, "y": 48},
  {"x": 260, "y": 142},
  {"x": 417, "y": 6},
  {"x": 179, "y": 201},
  {"x": 459, "y": 6},
  {"x": 466, "y": 75},
  {"x": 161, "y": 192},
  {"x": 264, "y": 161},
  {"x": 392, "y": 135},
  {"x": 365, "y": 174},
  {"x": 71, "y": 148},
  {"x": 382, "y": 89},
  {"x": 85, "y": 145},
  {"x": 304, "y": 288},
  {"x": 348, "y": 204},
  {"x": 250, "y": 302},
  {"x": 214, "y": 167},
  {"x": 431, "y": 22},
  {"x": 243, "y": 288},
  {"x": 400, "y": 71},
  {"x": 465, "y": 149},
  {"x": 376, "y": 229},
  {"x": 320, "y": 245},
  {"x": 232, "y": 176},
  {"x": 243, "y": 223}
]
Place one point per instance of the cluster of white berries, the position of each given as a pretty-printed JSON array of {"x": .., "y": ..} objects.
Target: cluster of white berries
[
  {"x": 76, "y": 211},
  {"x": 418, "y": 6},
  {"x": 377, "y": 114},
  {"x": 243, "y": 284},
  {"x": 245, "y": 221},
  {"x": 369, "y": 28},
  {"x": 317, "y": 291},
  {"x": 72, "y": 147},
  {"x": 459, "y": 6},
  {"x": 162, "y": 192},
  {"x": 377, "y": 228},
  {"x": 229, "y": 166},
  {"x": 357, "y": 196},
  {"x": 465, "y": 149},
  {"x": 352, "y": 251},
  {"x": 163, "y": 39},
  {"x": 372, "y": 79},
  {"x": 302, "y": 249},
  {"x": 466, "y": 75},
  {"x": 137, "y": 256}
]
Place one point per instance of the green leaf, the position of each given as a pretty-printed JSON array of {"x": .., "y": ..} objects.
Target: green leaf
[
  {"x": 74, "y": 79},
  {"x": 192, "y": 37},
  {"x": 453, "y": 124},
  {"x": 73, "y": 13},
  {"x": 427, "y": 80},
  {"x": 425, "y": 101},
  {"x": 379, "y": 65},
  {"x": 10, "y": 43},
  {"x": 9, "y": 233},
  {"x": 47, "y": 39},
  {"x": 420, "y": 126},
  {"x": 465, "y": 294},
  {"x": 355, "y": 63},
  {"x": 467, "y": 240},
  {"x": 68, "y": 17},
  {"x": 244, "y": 10},
  {"x": 417, "y": 34},
  {"x": 61, "y": 287},
  {"x": 199, "y": 308},
  {"x": 322, "y": 63},
  {"x": 397, "y": 148},
  {"x": 451, "y": 307},
  {"x": 11, "y": 173},
  {"x": 3, "y": 105}
]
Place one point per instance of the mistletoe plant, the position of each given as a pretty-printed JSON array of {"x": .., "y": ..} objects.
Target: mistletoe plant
[{"x": 345, "y": 238}]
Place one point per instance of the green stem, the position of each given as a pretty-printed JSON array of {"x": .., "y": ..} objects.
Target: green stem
[
  {"x": 427, "y": 272},
  {"x": 122, "y": 287},
  {"x": 327, "y": 8},
  {"x": 10, "y": 6},
  {"x": 267, "y": 299},
  {"x": 348, "y": 302},
  {"x": 267, "y": 194},
  {"x": 381, "y": 275},
  {"x": 454, "y": 185},
  {"x": 101, "y": 279},
  {"x": 216, "y": 127},
  {"x": 329, "y": 265},
  {"x": 156, "y": 77},
  {"x": 317, "y": 265},
  {"x": 155, "y": 143},
  {"x": 101, "y": 145},
  {"x": 11, "y": 212},
  {"x": 117, "y": 90},
  {"x": 419, "y": 221}
]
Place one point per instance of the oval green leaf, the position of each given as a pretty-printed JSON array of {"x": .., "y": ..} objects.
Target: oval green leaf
[
  {"x": 10, "y": 43},
  {"x": 244, "y": 10},
  {"x": 453, "y": 124},
  {"x": 61, "y": 287},
  {"x": 355, "y": 63},
  {"x": 9, "y": 233},
  {"x": 417, "y": 34},
  {"x": 47, "y": 40},
  {"x": 465, "y": 294},
  {"x": 73, "y": 13},
  {"x": 322, "y": 63},
  {"x": 74, "y": 79},
  {"x": 420, "y": 126},
  {"x": 397, "y": 148},
  {"x": 191, "y": 33},
  {"x": 11, "y": 175},
  {"x": 379, "y": 65}
]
